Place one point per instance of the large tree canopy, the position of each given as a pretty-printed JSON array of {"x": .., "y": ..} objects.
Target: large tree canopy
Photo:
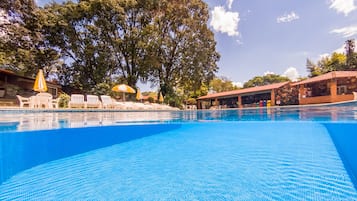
[
  {"x": 93, "y": 44},
  {"x": 22, "y": 48},
  {"x": 166, "y": 42},
  {"x": 183, "y": 51}
]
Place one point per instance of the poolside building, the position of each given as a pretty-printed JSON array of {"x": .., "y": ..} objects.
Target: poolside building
[
  {"x": 331, "y": 87},
  {"x": 260, "y": 96},
  {"x": 12, "y": 84}
]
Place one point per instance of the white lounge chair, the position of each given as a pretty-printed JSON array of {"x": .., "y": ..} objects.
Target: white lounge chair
[
  {"x": 93, "y": 102},
  {"x": 77, "y": 101},
  {"x": 122, "y": 105},
  {"x": 142, "y": 106},
  {"x": 354, "y": 95},
  {"x": 107, "y": 102}
]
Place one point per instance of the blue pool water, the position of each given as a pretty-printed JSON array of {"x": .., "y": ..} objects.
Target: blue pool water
[{"x": 284, "y": 154}]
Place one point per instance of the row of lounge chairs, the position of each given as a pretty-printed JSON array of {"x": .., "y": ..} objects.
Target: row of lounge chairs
[
  {"x": 107, "y": 102},
  {"x": 77, "y": 101},
  {"x": 45, "y": 100}
]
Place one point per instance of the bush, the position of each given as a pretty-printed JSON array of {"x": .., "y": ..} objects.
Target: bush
[
  {"x": 63, "y": 100},
  {"x": 100, "y": 89},
  {"x": 151, "y": 99},
  {"x": 191, "y": 101}
]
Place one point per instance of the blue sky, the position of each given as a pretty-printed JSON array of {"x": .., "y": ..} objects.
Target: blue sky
[{"x": 255, "y": 37}]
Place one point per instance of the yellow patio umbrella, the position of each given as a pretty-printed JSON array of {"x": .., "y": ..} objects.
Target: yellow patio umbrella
[
  {"x": 138, "y": 95},
  {"x": 161, "y": 98},
  {"x": 40, "y": 82},
  {"x": 124, "y": 89}
]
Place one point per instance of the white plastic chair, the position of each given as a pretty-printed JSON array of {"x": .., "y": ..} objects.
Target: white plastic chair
[
  {"x": 24, "y": 101},
  {"x": 43, "y": 100}
]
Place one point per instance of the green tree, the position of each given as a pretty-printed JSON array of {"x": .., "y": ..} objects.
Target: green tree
[
  {"x": 312, "y": 68},
  {"x": 22, "y": 48},
  {"x": 73, "y": 29},
  {"x": 165, "y": 42},
  {"x": 335, "y": 62},
  {"x": 221, "y": 84},
  {"x": 101, "y": 40},
  {"x": 183, "y": 54},
  {"x": 351, "y": 55},
  {"x": 129, "y": 38},
  {"x": 265, "y": 80}
]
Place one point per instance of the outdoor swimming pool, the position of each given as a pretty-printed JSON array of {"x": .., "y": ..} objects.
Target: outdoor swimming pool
[{"x": 302, "y": 153}]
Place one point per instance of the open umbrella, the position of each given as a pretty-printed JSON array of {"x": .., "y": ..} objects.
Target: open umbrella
[
  {"x": 124, "y": 89},
  {"x": 138, "y": 95},
  {"x": 40, "y": 82}
]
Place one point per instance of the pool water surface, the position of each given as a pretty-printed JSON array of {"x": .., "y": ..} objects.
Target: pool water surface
[{"x": 209, "y": 160}]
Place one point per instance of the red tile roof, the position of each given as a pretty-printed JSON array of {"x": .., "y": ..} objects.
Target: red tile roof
[
  {"x": 244, "y": 91},
  {"x": 328, "y": 76}
]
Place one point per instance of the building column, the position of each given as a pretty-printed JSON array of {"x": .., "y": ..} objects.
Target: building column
[
  {"x": 272, "y": 97},
  {"x": 199, "y": 104},
  {"x": 333, "y": 89},
  {"x": 302, "y": 94},
  {"x": 240, "y": 101}
]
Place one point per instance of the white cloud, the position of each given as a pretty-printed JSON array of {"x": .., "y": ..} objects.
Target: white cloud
[
  {"x": 238, "y": 84},
  {"x": 225, "y": 21},
  {"x": 343, "y": 6},
  {"x": 291, "y": 73},
  {"x": 239, "y": 42},
  {"x": 346, "y": 31},
  {"x": 230, "y": 2},
  {"x": 287, "y": 17},
  {"x": 269, "y": 73},
  {"x": 324, "y": 55}
]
